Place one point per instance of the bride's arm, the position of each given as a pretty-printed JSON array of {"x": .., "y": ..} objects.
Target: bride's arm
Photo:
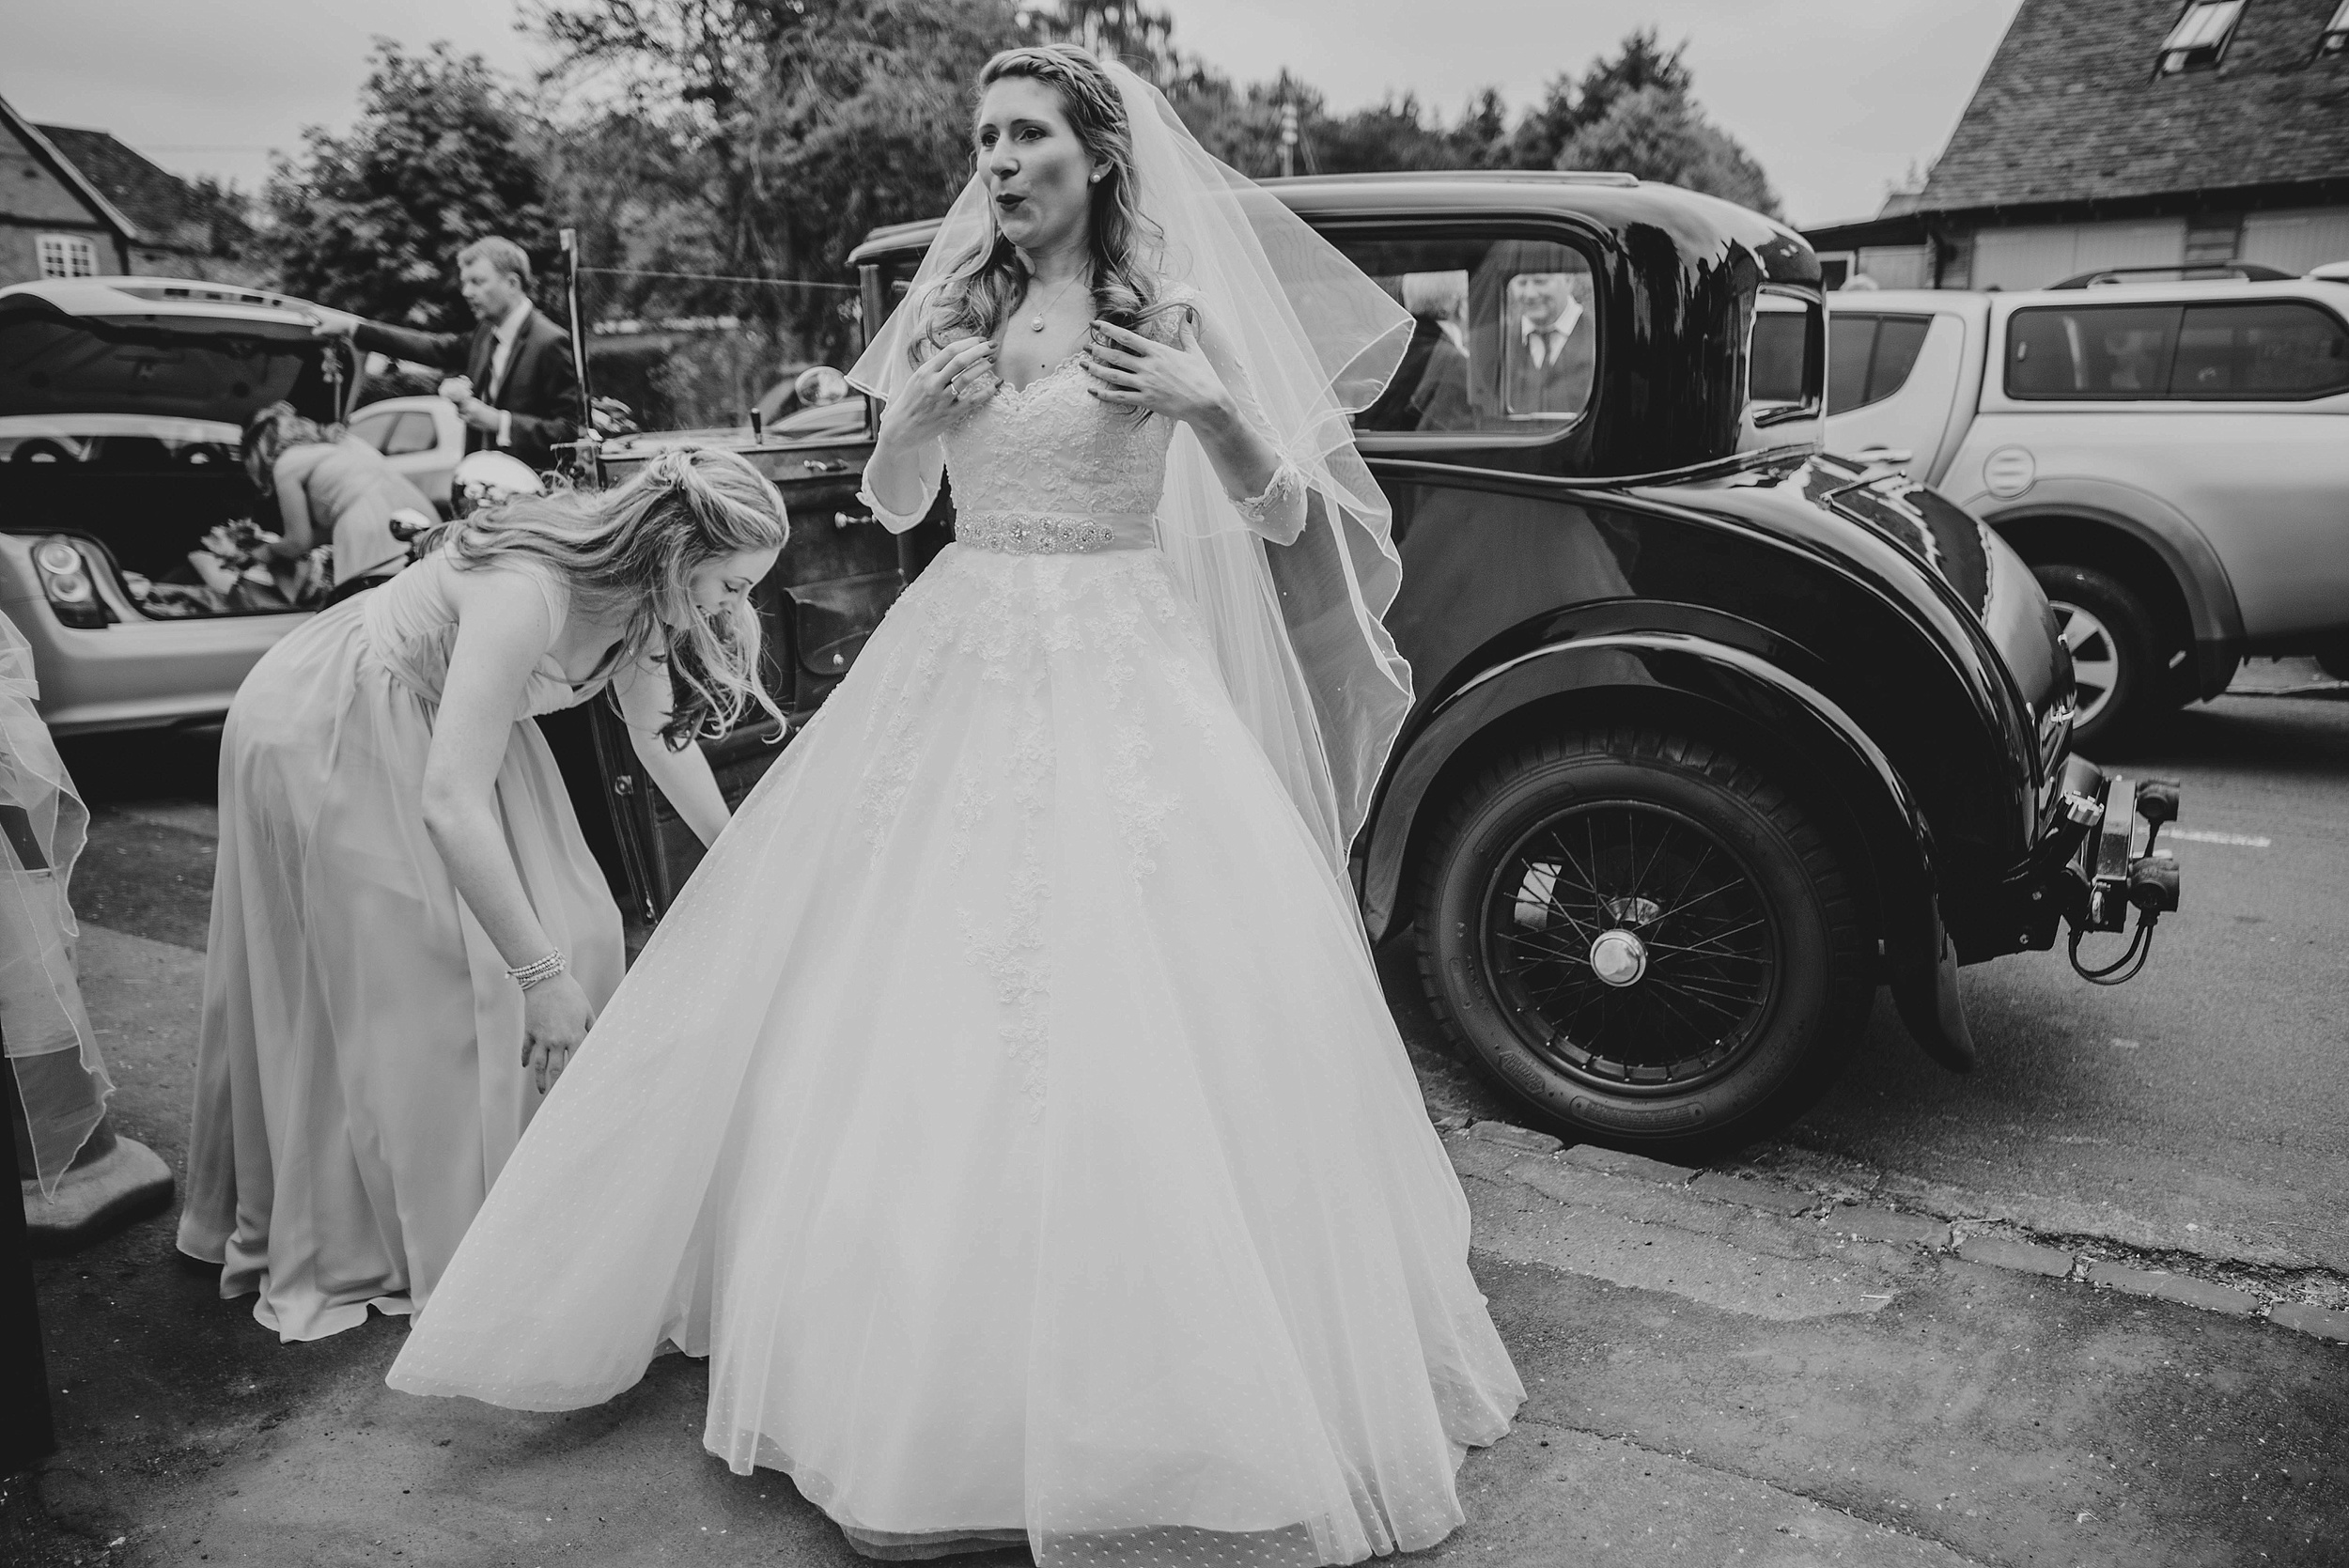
[
  {"x": 1200, "y": 380},
  {"x": 901, "y": 476}
]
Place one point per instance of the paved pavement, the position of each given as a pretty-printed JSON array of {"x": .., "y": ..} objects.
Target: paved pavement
[{"x": 1721, "y": 1370}]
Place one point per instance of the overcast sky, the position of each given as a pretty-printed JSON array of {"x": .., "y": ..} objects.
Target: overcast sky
[{"x": 1835, "y": 97}]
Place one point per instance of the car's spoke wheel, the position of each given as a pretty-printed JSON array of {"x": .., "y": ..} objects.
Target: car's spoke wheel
[
  {"x": 1646, "y": 939},
  {"x": 1631, "y": 947},
  {"x": 2116, "y": 684}
]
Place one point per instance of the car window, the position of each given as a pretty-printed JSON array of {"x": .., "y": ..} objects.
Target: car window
[
  {"x": 373, "y": 427},
  {"x": 2272, "y": 348},
  {"x": 2103, "y": 352},
  {"x": 1869, "y": 357},
  {"x": 1504, "y": 333},
  {"x": 414, "y": 432},
  {"x": 1780, "y": 379}
]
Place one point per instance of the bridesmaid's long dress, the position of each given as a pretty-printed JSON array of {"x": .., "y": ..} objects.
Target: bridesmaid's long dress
[{"x": 359, "y": 1078}]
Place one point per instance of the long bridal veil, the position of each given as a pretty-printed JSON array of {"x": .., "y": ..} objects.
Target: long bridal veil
[{"x": 1297, "y": 628}]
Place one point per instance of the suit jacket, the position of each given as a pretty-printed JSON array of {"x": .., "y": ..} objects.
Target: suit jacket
[
  {"x": 1560, "y": 386},
  {"x": 539, "y": 389}
]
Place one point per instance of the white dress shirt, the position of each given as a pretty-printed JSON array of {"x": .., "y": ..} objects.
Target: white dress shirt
[
  {"x": 504, "y": 333},
  {"x": 1544, "y": 344}
]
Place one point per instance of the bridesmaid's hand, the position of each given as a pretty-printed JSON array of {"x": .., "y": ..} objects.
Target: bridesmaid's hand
[
  {"x": 1176, "y": 379},
  {"x": 959, "y": 376},
  {"x": 555, "y": 1018}
]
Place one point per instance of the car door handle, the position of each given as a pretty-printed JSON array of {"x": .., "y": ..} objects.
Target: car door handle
[
  {"x": 823, "y": 465},
  {"x": 1885, "y": 454},
  {"x": 842, "y": 520}
]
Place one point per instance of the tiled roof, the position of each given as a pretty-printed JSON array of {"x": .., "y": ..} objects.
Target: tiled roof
[
  {"x": 160, "y": 203},
  {"x": 2071, "y": 108}
]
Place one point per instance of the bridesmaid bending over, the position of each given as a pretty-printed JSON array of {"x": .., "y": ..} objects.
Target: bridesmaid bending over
[{"x": 408, "y": 935}]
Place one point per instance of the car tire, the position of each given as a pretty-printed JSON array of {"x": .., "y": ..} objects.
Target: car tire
[
  {"x": 1719, "y": 1037},
  {"x": 2111, "y": 640}
]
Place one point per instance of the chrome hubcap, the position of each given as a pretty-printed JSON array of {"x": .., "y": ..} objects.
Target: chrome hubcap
[
  {"x": 2095, "y": 659},
  {"x": 1618, "y": 957}
]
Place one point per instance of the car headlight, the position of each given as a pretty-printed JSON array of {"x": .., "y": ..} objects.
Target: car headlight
[{"x": 68, "y": 583}]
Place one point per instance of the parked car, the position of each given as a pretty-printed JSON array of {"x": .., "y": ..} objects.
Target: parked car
[
  {"x": 122, "y": 408},
  {"x": 2171, "y": 457},
  {"x": 1714, "y": 733},
  {"x": 422, "y": 437}
]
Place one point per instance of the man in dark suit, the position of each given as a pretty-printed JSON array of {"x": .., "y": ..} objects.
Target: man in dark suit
[
  {"x": 517, "y": 390},
  {"x": 1550, "y": 357}
]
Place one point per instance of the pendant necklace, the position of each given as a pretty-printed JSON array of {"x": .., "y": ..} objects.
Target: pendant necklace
[{"x": 1035, "y": 322}]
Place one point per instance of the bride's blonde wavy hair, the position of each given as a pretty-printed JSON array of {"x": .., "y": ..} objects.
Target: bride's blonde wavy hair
[
  {"x": 983, "y": 286},
  {"x": 638, "y": 546}
]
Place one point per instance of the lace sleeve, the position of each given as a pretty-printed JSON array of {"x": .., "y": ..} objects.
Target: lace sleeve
[
  {"x": 1278, "y": 512},
  {"x": 898, "y": 523}
]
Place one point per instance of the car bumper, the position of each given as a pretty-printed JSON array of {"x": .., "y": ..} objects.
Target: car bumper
[{"x": 140, "y": 674}]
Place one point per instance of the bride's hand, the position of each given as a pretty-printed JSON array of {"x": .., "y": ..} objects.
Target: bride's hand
[
  {"x": 555, "y": 1018},
  {"x": 1176, "y": 379},
  {"x": 958, "y": 377}
]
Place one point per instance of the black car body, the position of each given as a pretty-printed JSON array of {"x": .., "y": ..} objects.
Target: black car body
[{"x": 1832, "y": 702}]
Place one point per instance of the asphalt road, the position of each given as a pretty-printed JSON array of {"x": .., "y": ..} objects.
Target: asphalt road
[
  {"x": 2197, "y": 1110},
  {"x": 1708, "y": 1384},
  {"x": 2202, "y": 1108}
]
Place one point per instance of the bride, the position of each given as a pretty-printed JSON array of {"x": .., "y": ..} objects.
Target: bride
[{"x": 1008, "y": 1109}]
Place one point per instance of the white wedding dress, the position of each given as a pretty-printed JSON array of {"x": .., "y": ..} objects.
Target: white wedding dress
[{"x": 1008, "y": 1109}]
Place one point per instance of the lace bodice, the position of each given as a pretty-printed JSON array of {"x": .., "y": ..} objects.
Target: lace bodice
[
  {"x": 1048, "y": 469},
  {"x": 1051, "y": 447}
]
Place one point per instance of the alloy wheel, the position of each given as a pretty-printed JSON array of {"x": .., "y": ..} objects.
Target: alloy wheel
[{"x": 2095, "y": 659}]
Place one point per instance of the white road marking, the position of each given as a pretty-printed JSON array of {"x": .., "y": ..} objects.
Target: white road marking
[{"x": 2247, "y": 841}]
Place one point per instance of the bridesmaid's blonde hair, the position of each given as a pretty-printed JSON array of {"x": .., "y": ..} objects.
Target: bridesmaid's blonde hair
[{"x": 639, "y": 545}]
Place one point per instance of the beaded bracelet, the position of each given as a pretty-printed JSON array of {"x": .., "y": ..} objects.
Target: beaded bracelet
[{"x": 539, "y": 970}]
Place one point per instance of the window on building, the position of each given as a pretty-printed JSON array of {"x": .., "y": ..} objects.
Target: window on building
[
  {"x": 1869, "y": 357},
  {"x": 2200, "y": 36},
  {"x": 68, "y": 256},
  {"x": 2336, "y": 38}
]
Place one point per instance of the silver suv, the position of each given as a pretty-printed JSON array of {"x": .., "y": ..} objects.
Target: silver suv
[{"x": 2173, "y": 459}]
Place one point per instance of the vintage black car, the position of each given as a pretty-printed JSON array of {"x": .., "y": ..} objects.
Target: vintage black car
[{"x": 1715, "y": 733}]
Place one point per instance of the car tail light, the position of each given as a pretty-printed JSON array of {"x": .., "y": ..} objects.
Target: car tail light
[{"x": 68, "y": 584}]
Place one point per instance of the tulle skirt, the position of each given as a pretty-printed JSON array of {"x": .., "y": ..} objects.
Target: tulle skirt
[
  {"x": 1009, "y": 1111},
  {"x": 359, "y": 1074}
]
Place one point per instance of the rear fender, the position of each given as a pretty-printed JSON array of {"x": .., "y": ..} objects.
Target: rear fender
[
  {"x": 2213, "y": 614},
  {"x": 1543, "y": 688}
]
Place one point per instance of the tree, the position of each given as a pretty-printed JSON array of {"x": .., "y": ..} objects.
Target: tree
[
  {"x": 1658, "y": 133},
  {"x": 791, "y": 126},
  {"x": 1123, "y": 30},
  {"x": 372, "y": 222},
  {"x": 1568, "y": 108}
]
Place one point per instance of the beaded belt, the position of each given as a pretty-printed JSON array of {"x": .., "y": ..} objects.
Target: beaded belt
[{"x": 1055, "y": 533}]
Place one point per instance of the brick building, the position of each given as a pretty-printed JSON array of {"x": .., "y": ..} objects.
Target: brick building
[
  {"x": 76, "y": 203},
  {"x": 2113, "y": 134}
]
